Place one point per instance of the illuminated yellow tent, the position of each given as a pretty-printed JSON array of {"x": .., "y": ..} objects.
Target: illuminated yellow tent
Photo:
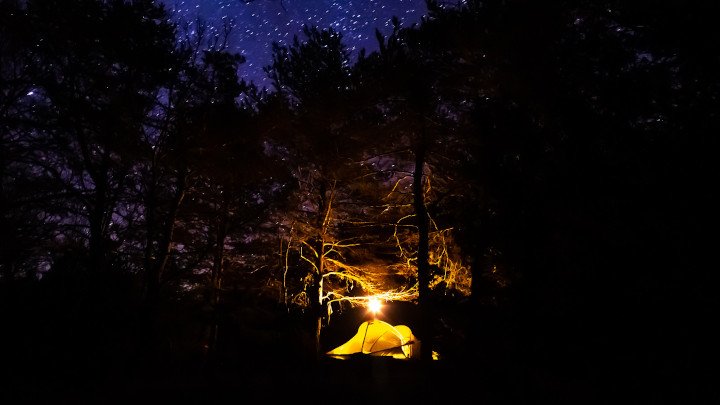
[{"x": 378, "y": 338}]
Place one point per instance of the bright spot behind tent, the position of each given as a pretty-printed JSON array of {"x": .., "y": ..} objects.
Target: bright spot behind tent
[{"x": 374, "y": 305}]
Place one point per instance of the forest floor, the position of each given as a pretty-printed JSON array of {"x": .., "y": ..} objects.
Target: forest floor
[{"x": 265, "y": 354}]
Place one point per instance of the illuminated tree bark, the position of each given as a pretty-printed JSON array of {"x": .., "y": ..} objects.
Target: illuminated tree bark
[
  {"x": 313, "y": 78},
  {"x": 423, "y": 268}
]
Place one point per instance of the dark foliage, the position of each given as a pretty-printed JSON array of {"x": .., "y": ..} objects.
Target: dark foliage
[{"x": 148, "y": 195}]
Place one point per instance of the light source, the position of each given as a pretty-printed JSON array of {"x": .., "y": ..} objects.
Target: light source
[{"x": 374, "y": 306}]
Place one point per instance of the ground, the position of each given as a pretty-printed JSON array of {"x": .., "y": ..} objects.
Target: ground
[{"x": 264, "y": 353}]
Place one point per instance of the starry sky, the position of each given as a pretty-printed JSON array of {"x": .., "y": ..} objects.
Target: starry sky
[{"x": 257, "y": 24}]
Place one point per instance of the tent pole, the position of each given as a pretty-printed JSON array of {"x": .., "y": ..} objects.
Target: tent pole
[{"x": 362, "y": 346}]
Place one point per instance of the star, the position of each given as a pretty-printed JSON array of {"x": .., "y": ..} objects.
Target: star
[{"x": 256, "y": 24}]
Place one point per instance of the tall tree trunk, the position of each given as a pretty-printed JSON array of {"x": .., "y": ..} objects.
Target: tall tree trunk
[
  {"x": 151, "y": 230},
  {"x": 315, "y": 294},
  {"x": 157, "y": 266},
  {"x": 286, "y": 268},
  {"x": 425, "y": 331},
  {"x": 219, "y": 253},
  {"x": 216, "y": 285},
  {"x": 98, "y": 228},
  {"x": 316, "y": 291}
]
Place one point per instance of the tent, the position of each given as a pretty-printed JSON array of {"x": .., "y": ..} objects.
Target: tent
[{"x": 378, "y": 338}]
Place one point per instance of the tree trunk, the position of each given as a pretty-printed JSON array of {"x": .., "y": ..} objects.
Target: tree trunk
[
  {"x": 317, "y": 287},
  {"x": 316, "y": 295},
  {"x": 156, "y": 267},
  {"x": 425, "y": 331},
  {"x": 219, "y": 254},
  {"x": 216, "y": 285},
  {"x": 98, "y": 227}
]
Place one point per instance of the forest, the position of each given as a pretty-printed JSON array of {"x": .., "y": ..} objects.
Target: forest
[{"x": 526, "y": 185}]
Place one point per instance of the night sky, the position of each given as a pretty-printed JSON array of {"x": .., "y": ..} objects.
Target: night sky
[{"x": 259, "y": 23}]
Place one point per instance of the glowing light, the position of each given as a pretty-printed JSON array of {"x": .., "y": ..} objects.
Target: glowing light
[{"x": 374, "y": 305}]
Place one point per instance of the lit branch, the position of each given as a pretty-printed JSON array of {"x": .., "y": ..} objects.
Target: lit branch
[
  {"x": 394, "y": 295},
  {"x": 347, "y": 276},
  {"x": 395, "y": 186},
  {"x": 326, "y": 220},
  {"x": 397, "y": 238},
  {"x": 340, "y": 244},
  {"x": 333, "y": 246},
  {"x": 312, "y": 263},
  {"x": 310, "y": 247}
]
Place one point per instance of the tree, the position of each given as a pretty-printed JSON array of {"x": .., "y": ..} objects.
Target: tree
[
  {"x": 319, "y": 136},
  {"x": 206, "y": 82},
  {"x": 414, "y": 119},
  {"x": 22, "y": 189},
  {"x": 569, "y": 111},
  {"x": 99, "y": 90}
]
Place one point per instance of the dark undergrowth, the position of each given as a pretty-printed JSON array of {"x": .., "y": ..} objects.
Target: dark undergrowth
[{"x": 98, "y": 347}]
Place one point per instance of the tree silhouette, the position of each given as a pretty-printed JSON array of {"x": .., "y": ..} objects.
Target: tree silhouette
[{"x": 98, "y": 92}]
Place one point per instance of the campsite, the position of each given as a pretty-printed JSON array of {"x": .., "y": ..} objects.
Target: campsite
[{"x": 316, "y": 201}]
